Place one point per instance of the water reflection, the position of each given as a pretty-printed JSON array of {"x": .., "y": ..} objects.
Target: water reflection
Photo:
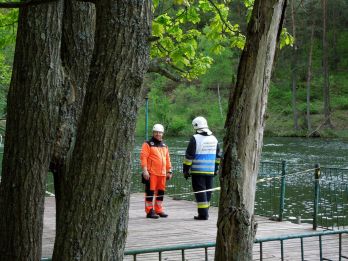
[{"x": 327, "y": 152}]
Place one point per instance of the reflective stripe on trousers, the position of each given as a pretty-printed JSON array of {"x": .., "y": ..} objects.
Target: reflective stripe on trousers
[{"x": 199, "y": 183}]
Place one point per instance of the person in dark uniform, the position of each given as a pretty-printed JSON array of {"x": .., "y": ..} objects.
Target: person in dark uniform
[{"x": 201, "y": 162}]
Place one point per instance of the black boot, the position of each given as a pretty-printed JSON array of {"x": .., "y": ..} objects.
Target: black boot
[
  {"x": 152, "y": 214},
  {"x": 200, "y": 218},
  {"x": 162, "y": 215}
]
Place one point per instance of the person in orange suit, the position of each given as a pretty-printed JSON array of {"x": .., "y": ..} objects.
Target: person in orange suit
[{"x": 156, "y": 166}]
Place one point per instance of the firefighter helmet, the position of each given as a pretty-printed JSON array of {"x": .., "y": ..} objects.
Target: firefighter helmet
[
  {"x": 199, "y": 123},
  {"x": 158, "y": 127}
]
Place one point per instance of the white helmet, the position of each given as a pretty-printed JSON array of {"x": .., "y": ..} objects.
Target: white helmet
[
  {"x": 158, "y": 127},
  {"x": 200, "y": 123}
]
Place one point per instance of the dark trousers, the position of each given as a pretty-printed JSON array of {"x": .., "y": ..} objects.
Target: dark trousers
[{"x": 199, "y": 183}]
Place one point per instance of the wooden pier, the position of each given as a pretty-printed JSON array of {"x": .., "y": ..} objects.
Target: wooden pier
[{"x": 180, "y": 229}]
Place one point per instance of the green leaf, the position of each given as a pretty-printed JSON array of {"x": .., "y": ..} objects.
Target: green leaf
[
  {"x": 192, "y": 15},
  {"x": 164, "y": 19},
  {"x": 157, "y": 29},
  {"x": 205, "y": 6}
]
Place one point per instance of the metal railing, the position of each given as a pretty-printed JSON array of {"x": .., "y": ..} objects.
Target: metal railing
[
  {"x": 261, "y": 242},
  {"x": 319, "y": 252},
  {"x": 284, "y": 191},
  {"x": 160, "y": 250},
  {"x": 315, "y": 253},
  {"x": 287, "y": 191}
]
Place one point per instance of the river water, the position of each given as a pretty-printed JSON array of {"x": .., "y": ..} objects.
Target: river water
[
  {"x": 326, "y": 152},
  {"x": 300, "y": 155}
]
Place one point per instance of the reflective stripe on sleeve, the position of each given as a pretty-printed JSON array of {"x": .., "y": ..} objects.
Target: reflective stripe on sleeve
[{"x": 188, "y": 162}]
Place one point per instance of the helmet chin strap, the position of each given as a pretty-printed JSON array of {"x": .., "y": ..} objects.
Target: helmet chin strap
[{"x": 204, "y": 130}]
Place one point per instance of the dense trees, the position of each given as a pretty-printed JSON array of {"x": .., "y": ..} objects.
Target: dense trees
[
  {"x": 280, "y": 112},
  {"x": 317, "y": 40},
  {"x": 326, "y": 83}
]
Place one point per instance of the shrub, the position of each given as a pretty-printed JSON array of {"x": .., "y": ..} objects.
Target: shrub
[{"x": 340, "y": 102}]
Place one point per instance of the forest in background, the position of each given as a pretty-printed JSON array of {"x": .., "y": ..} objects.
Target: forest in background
[{"x": 175, "y": 104}]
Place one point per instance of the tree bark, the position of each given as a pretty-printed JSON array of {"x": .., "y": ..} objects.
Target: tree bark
[
  {"x": 96, "y": 209},
  {"x": 30, "y": 131},
  {"x": 77, "y": 48},
  {"x": 244, "y": 133}
]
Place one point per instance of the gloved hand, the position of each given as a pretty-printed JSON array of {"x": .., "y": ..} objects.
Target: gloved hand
[
  {"x": 216, "y": 171},
  {"x": 146, "y": 175},
  {"x": 169, "y": 175},
  {"x": 187, "y": 175}
]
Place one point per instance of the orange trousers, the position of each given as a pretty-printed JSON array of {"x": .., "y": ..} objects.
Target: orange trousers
[{"x": 155, "y": 187}]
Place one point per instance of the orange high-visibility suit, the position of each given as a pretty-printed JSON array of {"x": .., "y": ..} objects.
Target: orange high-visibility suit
[{"x": 155, "y": 157}]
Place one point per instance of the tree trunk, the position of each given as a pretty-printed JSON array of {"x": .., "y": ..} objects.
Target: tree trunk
[
  {"x": 335, "y": 20},
  {"x": 294, "y": 67},
  {"x": 99, "y": 170},
  {"x": 30, "y": 131},
  {"x": 309, "y": 78},
  {"x": 244, "y": 136},
  {"x": 77, "y": 48},
  {"x": 326, "y": 84}
]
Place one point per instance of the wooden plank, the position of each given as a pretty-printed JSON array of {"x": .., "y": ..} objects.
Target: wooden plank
[{"x": 180, "y": 229}]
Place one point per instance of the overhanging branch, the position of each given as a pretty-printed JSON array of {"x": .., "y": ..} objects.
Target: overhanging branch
[
  {"x": 221, "y": 17},
  {"x": 157, "y": 68},
  {"x": 32, "y": 3},
  {"x": 153, "y": 38}
]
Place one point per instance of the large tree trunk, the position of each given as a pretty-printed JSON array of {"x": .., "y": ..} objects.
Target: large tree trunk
[
  {"x": 326, "y": 84},
  {"x": 99, "y": 170},
  {"x": 77, "y": 48},
  {"x": 30, "y": 131},
  {"x": 244, "y": 136}
]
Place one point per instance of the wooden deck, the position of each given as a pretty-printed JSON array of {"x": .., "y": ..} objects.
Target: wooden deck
[{"x": 180, "y": 228}]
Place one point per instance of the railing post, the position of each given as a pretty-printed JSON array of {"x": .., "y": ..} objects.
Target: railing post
[
  {"x": 282, "y": 192},
  {"x": 316, "y": 195}
]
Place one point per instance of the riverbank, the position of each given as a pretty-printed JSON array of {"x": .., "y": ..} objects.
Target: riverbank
[{"x": 278, "y": 125}]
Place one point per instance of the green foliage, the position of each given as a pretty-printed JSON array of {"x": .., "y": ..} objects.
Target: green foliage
[
  {"x": 182, "y": 34},
  {"x": 221, "y": 71},
  {"x": 201, "y": 40},
  {"x": 176, "y": 108},
  {"x": 249, "y": 4},
  {"x": 286, "y": 38},
  {"x": 8, "y": 28},
  {"x": 177, "y": 126},
  {"x": 340, "y": 102},
  {"x": 5, "y": 77}
]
